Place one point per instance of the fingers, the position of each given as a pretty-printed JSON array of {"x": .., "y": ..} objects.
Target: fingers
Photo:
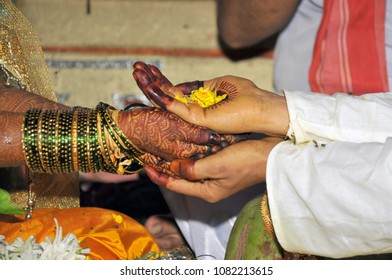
[
  {"x": 157, "y": 177},
  {"x": 188, "y": 87},
  {"x": 158, "y": 97},
  {"x": 150, "y": 80},
  {"x": 159, "y": 164},
  {"x": 161, "y": 92},
  {"x": 200, "y": 135},
  {"x": 189, "y": 112},
  {"x": 142, "y": 79},
  {"x": 144, "y": 82},
  {"x": 189, "y": 169},
  {"x": 205, "y": 136},
  {"x": 218, "y": 166},
  {"x": 185, "y": 168},
  {"x": 191, "y": 150},
  {"x": 208, "y": 168},
  {"x": 206, "y": 190},
  {"x": 228, "y": 139},
  {"x": 213, "y": 143},
  {"x": 142, "y": 66},
  {"x": 154, "y": 75},
  {"x": 161, "y": 79}
]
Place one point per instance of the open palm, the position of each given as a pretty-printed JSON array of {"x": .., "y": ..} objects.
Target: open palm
[{"x": 240, "y": 112}]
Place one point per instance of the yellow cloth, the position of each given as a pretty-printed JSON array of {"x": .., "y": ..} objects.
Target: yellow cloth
[{"x": 110, "y": 235}]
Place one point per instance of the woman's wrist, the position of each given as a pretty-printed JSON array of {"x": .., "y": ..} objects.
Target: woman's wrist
[
  {"x": 126, "y": 123},
  {"x": 132, "y": 124}
]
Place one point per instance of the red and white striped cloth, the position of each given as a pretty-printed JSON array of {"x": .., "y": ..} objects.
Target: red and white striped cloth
[{"x": 349, "y": 53}]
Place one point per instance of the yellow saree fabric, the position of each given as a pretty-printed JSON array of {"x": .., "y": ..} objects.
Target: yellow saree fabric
[{"x": 110, "y": 235}]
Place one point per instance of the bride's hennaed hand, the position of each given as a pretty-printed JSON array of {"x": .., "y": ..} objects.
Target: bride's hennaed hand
[{"x": 163, "y": 136}]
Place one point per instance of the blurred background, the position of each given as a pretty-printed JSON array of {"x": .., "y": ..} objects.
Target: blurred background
[{"x": 91, "y": 45}]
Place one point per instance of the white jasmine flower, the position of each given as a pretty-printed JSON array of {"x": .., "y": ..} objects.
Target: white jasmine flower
[
  {"x": 66, "y": 249},
  {"x": 23, "y": 250},
  {"x": 3, "y": 244},
  {"x": 60, "y": 249}
]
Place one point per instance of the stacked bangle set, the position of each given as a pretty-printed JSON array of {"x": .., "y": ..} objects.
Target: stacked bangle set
[{"x": 79, "y": 139}]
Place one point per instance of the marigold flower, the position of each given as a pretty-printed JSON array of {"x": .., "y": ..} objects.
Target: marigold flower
[{"x": 202, "y": 96}]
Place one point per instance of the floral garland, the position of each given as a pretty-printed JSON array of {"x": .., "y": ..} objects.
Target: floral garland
[{"x": 58, "y": 249}]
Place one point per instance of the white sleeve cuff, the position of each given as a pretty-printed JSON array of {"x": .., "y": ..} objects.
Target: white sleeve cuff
[{"x": 343, "y": 117}]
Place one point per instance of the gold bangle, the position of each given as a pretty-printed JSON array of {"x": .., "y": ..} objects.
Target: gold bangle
[
  {"x": 265, "y": 213},
  {"x": 39, "y": 140},
  {"x": 107, "y": 163},
  {"x": 74, "y": 141},
  {"x": 127, "y": 155},
  {"x": 88, "y": 152},
  {"x": 82, "y": 141},
  {"x": 95, "y": 152},
  {"x": 48, "y": 135},
  {"x": 56, "y": 167},
  {"x": 30, "y": 139}
]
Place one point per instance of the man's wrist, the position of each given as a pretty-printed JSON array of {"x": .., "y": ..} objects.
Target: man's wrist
[{"x": 274, "y": 115}]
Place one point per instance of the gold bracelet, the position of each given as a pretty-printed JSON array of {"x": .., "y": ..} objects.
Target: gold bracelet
[
  {"x": 265, "y": 213},
  {"x": 121, "y": 156},
  {"x": 95, "y": 152},
  {"x": 30, "y": 139},
  {"x": 39, "y": 140},
  {"x": 48, "y": 128},
  {"x": 74, "y": 141},
  {"x": 56, "y": 158},
  {"x": 82, "y": 141}
]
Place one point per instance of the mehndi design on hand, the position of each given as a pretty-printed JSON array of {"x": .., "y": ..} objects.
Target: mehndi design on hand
[
  {"x": 169, "y": 137},
  {"x": 156, "y": 86}
]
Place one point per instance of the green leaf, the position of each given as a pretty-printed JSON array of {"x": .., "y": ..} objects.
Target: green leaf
[{"x": 6, "y": 206}]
